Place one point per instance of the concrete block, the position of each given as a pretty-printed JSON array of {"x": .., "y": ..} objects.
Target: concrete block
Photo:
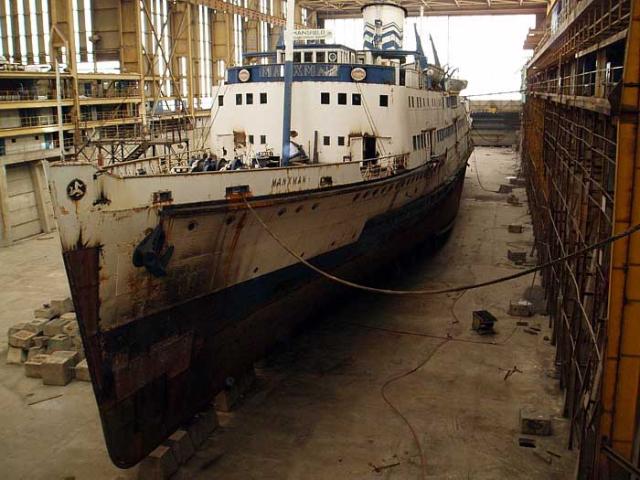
[
  {"x": 57, "y": 370},
  {"x": 59, "y": 342},
  {"x": 40, "y": 341},
  {"x": 158, "y": 465},
  {"x": 521, "y": 308},
  {"x": 54, "y": 327},
  {"x": 82, "y": 371},
  {"x": 534, "y": 422},
  {"x": 516, "y": 228},
  {"x": 16, "y": 356},
  {"x": 33, "y": 366},
  {"x": 181, "y": 446},
  {"x": 235, "y": 388},
  {"x": 71, "y": 354},
  {"x": 197, "y": 432},
  {"x": 22, "y": 339},
  {"x": 16, "y": 328},
  {"x": 33, "y": 351},
  {"x": 36, "y": 325},
  {"x": 517, "y": 256},
  {"x": 71, "y": 328},
  {"x": 209, "y": 420},
  {"x": 46, "y": 312},
  {"x": 63, "y": 306}
]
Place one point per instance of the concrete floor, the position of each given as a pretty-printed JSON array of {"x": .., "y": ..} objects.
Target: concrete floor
[{"x": 317, "y": 410}]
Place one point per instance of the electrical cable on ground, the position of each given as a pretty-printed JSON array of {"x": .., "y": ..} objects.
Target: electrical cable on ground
[
  {"x": 475, "y": 161},
  {"x": 631, "y": 230}
]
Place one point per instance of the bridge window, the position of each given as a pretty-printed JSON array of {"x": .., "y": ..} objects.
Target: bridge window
[
  {"x": 356, "y": 99},
  {"x": 263, "y": 97},
  {"x": 326, "y": 141},
  {"x": 238, "y": 99},
  {"x": 249, "y": 98},
  {"x": 251, "y": 139},
  {"x": 342, "y": 99},
  {"x": 384, "y": 100},
  {"x": 297, "y": 57},
  {"x": 320, "y": 57},
  {"x": 324, "y": 98},
  {"x": 220, "y": 100},
  {"x": 263, "y": 139},
  {"x": 308, "y": 57},
  {"x": 341, "y": 141}
]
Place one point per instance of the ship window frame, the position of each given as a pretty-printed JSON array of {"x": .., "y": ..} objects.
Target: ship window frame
[
  {"x": 263, "y": 98},
  {"x": 355, "y": 96},
  {"x": 249, "y": 99},
  {"x": 251, "y": 139},
  {"x": 325, "y": 96},
  {"x": 297, "y": 57},
  {"x": 263, "y": 139},
  {"x": 321, "y": 57},
  {"x": 308, "y": 55},
  {"x": 384, "y": 100},
  {"x": 220, "y": 100},
  {"x": 326, "y": 141},
  {"x": 238, "y": 99},
  {"x": 340, "y": 141},
  {"x": 342, "y": 98}
]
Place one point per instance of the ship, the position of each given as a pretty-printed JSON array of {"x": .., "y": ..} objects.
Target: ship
[{"x": 177, "y": 266}]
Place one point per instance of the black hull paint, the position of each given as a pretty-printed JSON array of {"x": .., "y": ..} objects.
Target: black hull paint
[{"x": 249, "y": 318}]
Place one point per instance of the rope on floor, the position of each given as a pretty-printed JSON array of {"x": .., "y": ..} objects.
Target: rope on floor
[{"x": 461, "y": 288}]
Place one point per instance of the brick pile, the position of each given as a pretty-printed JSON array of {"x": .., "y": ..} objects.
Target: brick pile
[{"x": 49, "y": 346}]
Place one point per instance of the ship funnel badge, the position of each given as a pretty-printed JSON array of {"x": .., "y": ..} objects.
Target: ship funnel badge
[{"x": 76, "y": 189}]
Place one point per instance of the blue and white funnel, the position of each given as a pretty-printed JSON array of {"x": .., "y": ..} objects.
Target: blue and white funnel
[{"x": 383, "y": 26}]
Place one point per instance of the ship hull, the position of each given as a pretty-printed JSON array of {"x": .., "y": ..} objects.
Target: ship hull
[{"x": 187, "y": 354}]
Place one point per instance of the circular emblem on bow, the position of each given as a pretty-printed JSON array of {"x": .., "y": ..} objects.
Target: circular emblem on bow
[
  {"x": 244, "y": 75},
  {"x": 76, "y": 189},
  {"x": 358, "y": 74}
]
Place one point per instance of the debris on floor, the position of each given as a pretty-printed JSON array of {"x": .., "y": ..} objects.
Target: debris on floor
[
  {"x": 483, "y": 322},
  {"x": 535, "y": 422},
  {"x": 521, "y": 308},
  {"x": 49, "y": 346},
  {"x": 515, "y": 228}
]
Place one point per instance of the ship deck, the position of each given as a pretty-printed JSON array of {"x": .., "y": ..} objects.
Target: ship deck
[{"x": 316, "y": 410}]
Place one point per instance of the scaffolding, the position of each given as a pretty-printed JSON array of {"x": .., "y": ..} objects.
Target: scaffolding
[{"x": 580, "y": 137}]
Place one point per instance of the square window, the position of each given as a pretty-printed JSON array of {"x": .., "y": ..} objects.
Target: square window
[
  {"x": 297, "y": 57},
  {"x": 414, "y": 142},
  {"x": 324, "y": 98},
  {"x": 220, "y": 100},
  {"x": 249, "y": 98},
  {"x": 263, "y": 97},
  {"x": 341, "y": 141},
  {"x": 251, "y": 139},
  {"x": 342, "y": 99},
  {"x": 263, "y": 139},
  {"x": 36, "y": 137},
  {"x": 320, "y": 57},
  {"x": 238, "y": 99},
  {"x": 384, "y": 100},
  {"x": 356, "y": 99},
  {"x": 326, "y": 141},
  {"x": 13, "y": 140},
  {"x": 308, "y": 57}
]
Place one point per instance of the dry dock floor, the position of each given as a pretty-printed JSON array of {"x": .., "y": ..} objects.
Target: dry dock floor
[{"x": 317, "y": 410}]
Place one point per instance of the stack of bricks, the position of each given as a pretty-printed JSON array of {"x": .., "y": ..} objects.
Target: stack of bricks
[{"x": 49, "y": 346}]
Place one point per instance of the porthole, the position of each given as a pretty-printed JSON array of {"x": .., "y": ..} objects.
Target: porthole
[
  {"x": 230, "y": 220},
  {"x": 366, "y": 194},
  {"x": 302, "y": 255},
  {"x": 314, "y": 206},
  {"x": 356, "y": 197},
  {"x": 333, "y": 244},
  {"x": 299, "y": 208},
  {"x": 255, "y": 270},
  {"x": 375, "y": 192},
  {"x": 192, "y": 226},
  {"x": 281, "y": 211}
]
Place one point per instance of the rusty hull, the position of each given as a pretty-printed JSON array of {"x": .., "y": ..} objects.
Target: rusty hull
[{"x": 153, "y": 374}]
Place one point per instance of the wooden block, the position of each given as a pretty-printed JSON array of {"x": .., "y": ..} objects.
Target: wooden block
[
  {"x": 57, "y": 370},
  {"x": 54, "y": 327},
  {"x": 22, "y": 339},
  {"x": 82, "y": 371},
  {"x": 62, "y": 306},
  {"x": 59, "y": 342},
  {"x": 36, "y": 325},
  {"x": 158, "y": 465},
  {"x": 181, "y": 446},
  {"x": 16, "y": 356},
  {"x": 33, "y": 366}
]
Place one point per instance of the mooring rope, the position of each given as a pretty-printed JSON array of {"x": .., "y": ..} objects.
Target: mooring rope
[{"x": 461, "y": 288}]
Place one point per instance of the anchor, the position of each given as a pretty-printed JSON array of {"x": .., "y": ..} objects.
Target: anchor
[{"x": 148, "y": 253}]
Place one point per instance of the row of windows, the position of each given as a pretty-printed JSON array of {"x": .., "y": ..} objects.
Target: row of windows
[
  {"x": 248, "y": 99},
  {"x": 420, "y": 141},
  {"x": 445, "y": 133},
  {"x": 326, "y": 141},
  {"x": 452, "y": 102},
  {"x": 419, "y": 102},
  {"x": 263, "y": 139},
  {"x": 356, "y": 99}
]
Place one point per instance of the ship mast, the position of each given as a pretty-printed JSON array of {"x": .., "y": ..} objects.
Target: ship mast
[{"x": 288, "y": 79}]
